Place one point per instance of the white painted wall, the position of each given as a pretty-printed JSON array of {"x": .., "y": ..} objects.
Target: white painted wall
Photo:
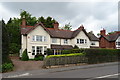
[
  {"x": 96, "y": 43},
  {"x": 40, "y": 31},
  {"x": 81, "y": 35},
  {"x": 23, "y": 44},
  {"x": 118, "y": 40},
  {"x": 37, "y": 31}
]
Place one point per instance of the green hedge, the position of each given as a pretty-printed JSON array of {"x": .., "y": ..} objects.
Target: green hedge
[
  {"x": 64, "y": 59},
  {"x": 39, "y": 57},
  {"x": 101, "y": 55},
  {"x": 90, "y": 56}
]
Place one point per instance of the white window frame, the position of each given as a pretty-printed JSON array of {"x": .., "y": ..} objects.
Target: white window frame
[
  {"x": 39, "y": 38},
  {"x": 81, "y": 41},
  {"x": 65, "y": 41},
  {"x": 54, "y": 40}
]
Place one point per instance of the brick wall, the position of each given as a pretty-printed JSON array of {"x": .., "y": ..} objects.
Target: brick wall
[{"x": 106, "y": 44}]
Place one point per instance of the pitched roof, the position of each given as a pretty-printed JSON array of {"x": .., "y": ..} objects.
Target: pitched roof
[
  {"x": 112, "y": 37},
  {"x": 59, "y": 33},
  {"x": 93, "y": 37}
]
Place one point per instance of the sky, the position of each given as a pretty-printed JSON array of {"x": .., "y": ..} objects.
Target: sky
[{"x": 94, "y": 16}]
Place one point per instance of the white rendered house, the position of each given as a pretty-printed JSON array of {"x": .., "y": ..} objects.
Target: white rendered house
[{"x": 36, "y": 39}]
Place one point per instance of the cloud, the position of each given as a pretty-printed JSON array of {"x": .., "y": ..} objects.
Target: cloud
[{"x": 93, "y": 15}]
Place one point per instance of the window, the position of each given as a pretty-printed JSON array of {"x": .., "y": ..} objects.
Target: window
[
  {"x": 77, "y": 41},
  {"x": 33, "y": 39},
  {"x": 39, "y": 49},
  {"x": 45, "y": 49},
  {"x": 33, "y": 50},
  {"x": 92, "y": 43},
  {"x": 118, "y": 43},
  {"x": 65, "y": 41},
  {"x": 54, "y": 40},
  {"x": 81, "y": 41},
  {"x": 39, "y": 38}
]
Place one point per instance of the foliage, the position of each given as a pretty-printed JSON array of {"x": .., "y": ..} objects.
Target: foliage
[
  {"x": 76, "y": 47},
  {"x": 67, "y": 27},
  {"x": 48, "y": 22},
  {"x": 49, "y": 51},
  {"x": 5, "y": 43},
  {"x": 112, "y": 32},
  {"x": 64, "y": 59},
  {"x": 39, "y": 57},
  {"x": 101, "y": 55},
  {"x": 66, "y": 51},
  {"x": 63, "y": 55},
  {"x": 13, "y": 29},
  {"x": 25, "y": 56},
  {"x": 7, "y": 67},
  {"x": 14, "y": 48}
]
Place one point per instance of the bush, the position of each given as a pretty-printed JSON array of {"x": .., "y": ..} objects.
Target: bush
[
  {"x": 39, "y": 57},
  {"x": 76, "y": 47},
  {"x": 101, "y": 55},
  {"x": 65, "y": 55},
  {"x": 49, "y": 52},
  {"x": 66, "y": 51},
  {"x": 25, "y": 56},
  {"x": 7, "y": 67},
  {"x": 77, "y": 50}
]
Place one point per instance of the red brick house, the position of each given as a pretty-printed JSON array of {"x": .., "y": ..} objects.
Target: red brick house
[{"x": 109, "y": 41}]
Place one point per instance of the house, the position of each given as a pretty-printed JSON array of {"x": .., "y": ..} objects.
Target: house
[
  {"x": 109, "y": 41},
  {"x": 36, "y": 39}
]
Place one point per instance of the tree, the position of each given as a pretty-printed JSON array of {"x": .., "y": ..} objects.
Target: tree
[
  {"x": 29, "y": 19},
  {"x": 5, "y": 41},
  {"x": 13, "y": 29},
  {"x": 48, "y": 22},
  {"x": 67, "y": 27}
]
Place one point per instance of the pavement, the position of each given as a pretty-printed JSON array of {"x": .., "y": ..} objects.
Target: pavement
[{"x": 43, "y": 72}]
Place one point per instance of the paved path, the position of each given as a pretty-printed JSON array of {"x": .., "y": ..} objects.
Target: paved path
[{"x": 25, "y": 65}]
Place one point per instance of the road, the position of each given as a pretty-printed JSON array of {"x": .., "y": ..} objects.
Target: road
[{"x": 90, "y": 73}]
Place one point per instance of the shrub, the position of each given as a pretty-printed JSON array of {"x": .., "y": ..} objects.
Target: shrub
[
  {"x": 65, "y": 55},
  {"x": 81, "y": 50},
  {"x": 7, "y": 67},
  {"x": 39, "y": 57},
  {"x": 101, "y": 55},
  {"x": 76, "y": 47},
  {"x": 25, "y": 56},
  {"x": 49, "y": 52},
  {"x": 66, "y": 51}
]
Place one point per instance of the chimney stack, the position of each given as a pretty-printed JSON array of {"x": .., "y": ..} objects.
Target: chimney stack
[
  {"x": 23, "y": 21},
  {"x": 103, "y": 32},
  {"x": 56, "y": 24},
  {"x": 81, "y": 27}
]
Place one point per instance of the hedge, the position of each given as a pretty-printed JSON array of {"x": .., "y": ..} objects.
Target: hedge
[
  {"x": 64, "y": 59},
  {"x": 89, "y": 56}
]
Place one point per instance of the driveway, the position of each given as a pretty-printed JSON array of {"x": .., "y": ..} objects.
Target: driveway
[{"x": 25, "y": 65}]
